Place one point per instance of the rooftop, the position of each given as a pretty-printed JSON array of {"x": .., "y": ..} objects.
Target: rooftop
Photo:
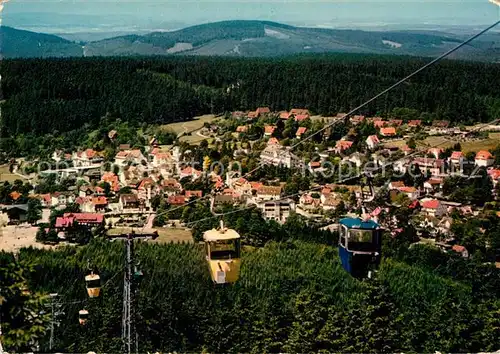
[
  {"x": 358, "y": 223},
  {"x": 220, "y": 235}
]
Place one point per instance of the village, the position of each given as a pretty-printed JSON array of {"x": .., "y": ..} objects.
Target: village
[{"x": 280, "y": 163}]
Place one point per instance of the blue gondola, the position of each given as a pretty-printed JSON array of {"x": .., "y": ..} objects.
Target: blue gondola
[{"x": 359, "y": 245}]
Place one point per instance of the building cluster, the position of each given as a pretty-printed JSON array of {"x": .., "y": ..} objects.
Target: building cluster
[{"x": 126, "y": 190}]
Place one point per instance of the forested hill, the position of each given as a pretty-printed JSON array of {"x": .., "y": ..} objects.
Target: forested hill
[
  {"x": 263, "y": 38},
  {"x": 291, "y": 297},
  {"x": 253, "y": 39},
  {"x": 26, "y": 44},
  {"x": 61, "y": 95}
]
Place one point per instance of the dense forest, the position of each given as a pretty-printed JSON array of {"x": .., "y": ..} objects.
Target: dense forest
[
  {"x": 63, "y": 95},
  {"x": 292, "y": 297}
]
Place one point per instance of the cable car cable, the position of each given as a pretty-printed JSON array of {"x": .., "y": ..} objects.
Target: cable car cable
[
  {"x": 347, "y": 179},
  {"x": 354, "y": 110}
]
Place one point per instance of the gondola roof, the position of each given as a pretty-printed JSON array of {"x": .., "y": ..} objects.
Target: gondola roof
[{"x": 358, "y": 223}]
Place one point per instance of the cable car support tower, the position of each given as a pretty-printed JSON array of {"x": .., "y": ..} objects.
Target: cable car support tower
[{"x": 131, "y": 276}]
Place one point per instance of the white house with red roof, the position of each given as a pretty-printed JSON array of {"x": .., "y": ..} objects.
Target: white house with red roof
[
  {"x": 60, "y": 198},
  {"x": 112, "y": 179},
  {"x": 99, "y": 204},
  {"x": 193, "y": 194},
  {"x": 45, "y": 200},
  {"x": 262, "y": 110},
  {"x": 301, "y": 117},
  {"x": 434, "y": 166},
  {"x": 395, "y": 122},
  {"x": 121, "y": 157},
  {"x": 299, "y": 111},
  {"x": 252, "y": 115},
  {"x": 396, "y": 185},
  {"x": 461, "y": 250},
  {"x": 433, "y": 207},
  {"x": 126, "y": 156},
  {"x": 433, "y": 184},
  {"x": 266, "y": 193},
  {"x": 411, "y": 192},
  {"x": 300, "y": 131},
  {"x": 146, "y": 189},
  {"x": 273, "y": 141},
  {"x": 269, "y": 130},
  {"x": 84, "y": 219},
  {"x": 343, "y": 145},
  {"x": 162, "y": 158},
  {"x": 241, "y": 185},
  {"x": 325, "y": 193},
  {"x": 190, "y": 172},
  {"x": 372, "y": 142},
  {"x": 379, "y": 124},
  {"x": 494, "y": 175},
  {"x": 242, "y": 129},
  {"x": 357, "y": 119},
  {"x": 457, "y": 158},
  {"x": 308, "y": 202},
  {"x": 484, "y": 159},
  {"x": 85, "y": 158},
  {"x": 414, "y": 123},
  {"x": 388, "y": 132},
  {"x": 284, "y": 115},
  {"x": 278, "y": 156},
  {"x": 170, "y": 186}
]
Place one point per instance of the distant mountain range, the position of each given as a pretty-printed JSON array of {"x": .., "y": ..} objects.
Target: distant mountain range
[{"x": 249, "y": 39}]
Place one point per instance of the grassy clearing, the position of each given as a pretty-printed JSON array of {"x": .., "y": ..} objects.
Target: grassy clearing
[
  {"x": 6, "y": 176},
  {"x": 397, "y": 143},
  {"x": 446, "y": 142},
  {"x": 166, "y": 235},
  {"x": 174, "y": 235},
  {"x": 491, "y": 143},
  {"x": 195, "y": 124},
  {"x": 195, "y": 139},
  {"x": 322, "y": 119},
  {"x": 467, "y": 146}
]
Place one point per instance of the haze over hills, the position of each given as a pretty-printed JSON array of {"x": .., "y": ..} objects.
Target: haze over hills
[
  {"x": 80, "y": 17},
  {"x": 26, "y": 44},
  {"x": 250, "y": 39}
]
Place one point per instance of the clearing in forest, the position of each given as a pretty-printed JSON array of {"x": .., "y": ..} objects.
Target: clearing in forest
[
  {"x": 189, "y": 131},
  {"x": 444, "y": 142},
  {"x": 6, "y": 176},
  {"x": 166, "y": 234},
  {"x": 15, "y": 237},
  {"x": 474, "y": 145},
  {"x": 191, "y": 125}
]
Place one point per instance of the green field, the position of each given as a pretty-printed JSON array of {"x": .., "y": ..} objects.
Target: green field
[
  {"x": 6, "y": 176},
  {"x": 467, "y": 146},
  {"x": 195, "y": 124},
  {"x": 446, "y": 142},
  {"x": 167, "y": 235}
]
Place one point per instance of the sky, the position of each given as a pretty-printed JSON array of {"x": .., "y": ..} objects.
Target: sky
[{"x": 61, "y": 16}]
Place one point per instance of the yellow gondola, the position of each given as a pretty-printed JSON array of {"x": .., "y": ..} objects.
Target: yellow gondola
[
  {"x": 93, "y": 283},
  {"x": 222, "y": 247},
  {"x": 83, "y": 316}
]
